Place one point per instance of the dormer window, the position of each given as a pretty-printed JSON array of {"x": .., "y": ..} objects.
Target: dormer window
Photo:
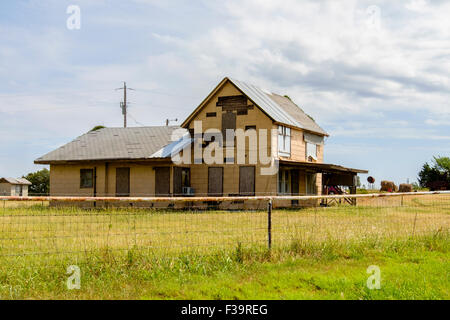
[{"x": 284, "y": 141}]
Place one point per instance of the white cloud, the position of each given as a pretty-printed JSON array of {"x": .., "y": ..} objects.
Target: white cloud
[{"x": 358, "y": 71}]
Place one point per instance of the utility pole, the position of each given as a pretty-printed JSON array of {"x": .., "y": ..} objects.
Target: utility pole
[{"x": 123, "y": 105}]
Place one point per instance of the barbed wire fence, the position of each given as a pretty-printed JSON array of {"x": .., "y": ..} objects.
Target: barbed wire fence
[{"x": 172, "y": 225}]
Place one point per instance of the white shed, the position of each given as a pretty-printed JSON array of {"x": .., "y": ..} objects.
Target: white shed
[{"x": 14, "y": 187}]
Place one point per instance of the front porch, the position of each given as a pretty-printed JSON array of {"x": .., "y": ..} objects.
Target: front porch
[{"x": 309, "y": 178}]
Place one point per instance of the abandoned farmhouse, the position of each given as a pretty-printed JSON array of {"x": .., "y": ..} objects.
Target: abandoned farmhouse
[{"x": 137, "y": 161}]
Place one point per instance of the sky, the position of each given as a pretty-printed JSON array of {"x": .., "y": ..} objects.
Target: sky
[{"x": 374, "y": 74}]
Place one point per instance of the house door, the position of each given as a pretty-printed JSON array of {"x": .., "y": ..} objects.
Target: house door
[
  {"x": 215, "y": 181},
  {"x": 247, "y": 181},
  {"x": 181, "y": 178},
  {"x": 122, "y": 182},
  {"x": 162, "y": 181}
]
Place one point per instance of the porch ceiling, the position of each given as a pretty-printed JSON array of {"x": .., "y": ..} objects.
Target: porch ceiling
[{"x": 321, "y": 167}]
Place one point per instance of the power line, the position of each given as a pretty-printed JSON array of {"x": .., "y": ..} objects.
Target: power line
[
  {"x": 137, "y": 122},
  {"x": 166, "y": 93}
]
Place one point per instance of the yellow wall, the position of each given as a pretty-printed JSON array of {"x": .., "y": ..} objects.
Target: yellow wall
[
  {"x": 255, "y": 117},
  {"x": 65, "y": 179}
]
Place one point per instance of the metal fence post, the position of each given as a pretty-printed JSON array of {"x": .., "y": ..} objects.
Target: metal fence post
[{"x": 269, "y": 223}]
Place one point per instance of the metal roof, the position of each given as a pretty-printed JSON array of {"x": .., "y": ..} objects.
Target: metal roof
[
  {"x": 115, "y": 144},
  {"x": 174, "y": 147},
  {"x": 279, "y": 108},
  {"x": 15, "y": 180}
]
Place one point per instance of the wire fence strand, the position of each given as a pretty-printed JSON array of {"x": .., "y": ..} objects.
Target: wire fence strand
[{"x": 65, "y": 225}]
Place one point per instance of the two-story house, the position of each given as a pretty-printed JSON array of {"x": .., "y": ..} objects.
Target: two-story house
[{"x": 241, "y": 140}]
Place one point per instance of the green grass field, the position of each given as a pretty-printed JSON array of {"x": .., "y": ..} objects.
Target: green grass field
[{"x": 317, "y": 253}]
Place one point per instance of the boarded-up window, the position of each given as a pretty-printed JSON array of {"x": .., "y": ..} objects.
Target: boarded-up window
[
  {"x": 232, "y": 103},
  {"x": 215, "y": 181},
  {"x": 247, "y": 181},
  {"x": 86, "y": 178},
  {"x": 162, "y": 181},
  {"x": 122, "y": 182},
  {"x": 228, "y": 123}
]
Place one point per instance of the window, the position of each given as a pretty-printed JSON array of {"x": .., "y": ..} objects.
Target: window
[
  {"x": 284, "y": 182},
  {"x": 313, "y": 143},
  {"x": 210, "y": 114},
  {"x": 311, "y": 151},
  {"x": 284, "y": 141},
  {"x": 250, "y": 128},
  {"x": 311, "y": 183},
  {"x": 86, "y": 178},
  {"x": 185, "y": 177}
]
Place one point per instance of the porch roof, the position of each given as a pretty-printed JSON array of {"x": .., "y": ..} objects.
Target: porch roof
[{"x": 321, "y": 167}]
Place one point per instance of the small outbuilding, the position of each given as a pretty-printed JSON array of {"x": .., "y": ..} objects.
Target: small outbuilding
[{"x": 14, "y": 187}]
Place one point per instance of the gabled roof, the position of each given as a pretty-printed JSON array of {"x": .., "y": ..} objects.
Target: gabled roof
[
  {"x": 115, "y": 144},
  {"x": 279, "y": 108},
  {"x": 15, "y": 181}
]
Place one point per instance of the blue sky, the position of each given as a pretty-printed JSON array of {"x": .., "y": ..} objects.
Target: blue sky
[{"x": 374, "y": 74}]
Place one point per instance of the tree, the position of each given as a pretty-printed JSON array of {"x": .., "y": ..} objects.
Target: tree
[
  {"x": 358, "y": 181},
  {"x": 437, "y": 175},
  {"x": 97, "y": 128},
  {"x": 40, "y": 182},
  {"x": 443, "y": 164}
]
